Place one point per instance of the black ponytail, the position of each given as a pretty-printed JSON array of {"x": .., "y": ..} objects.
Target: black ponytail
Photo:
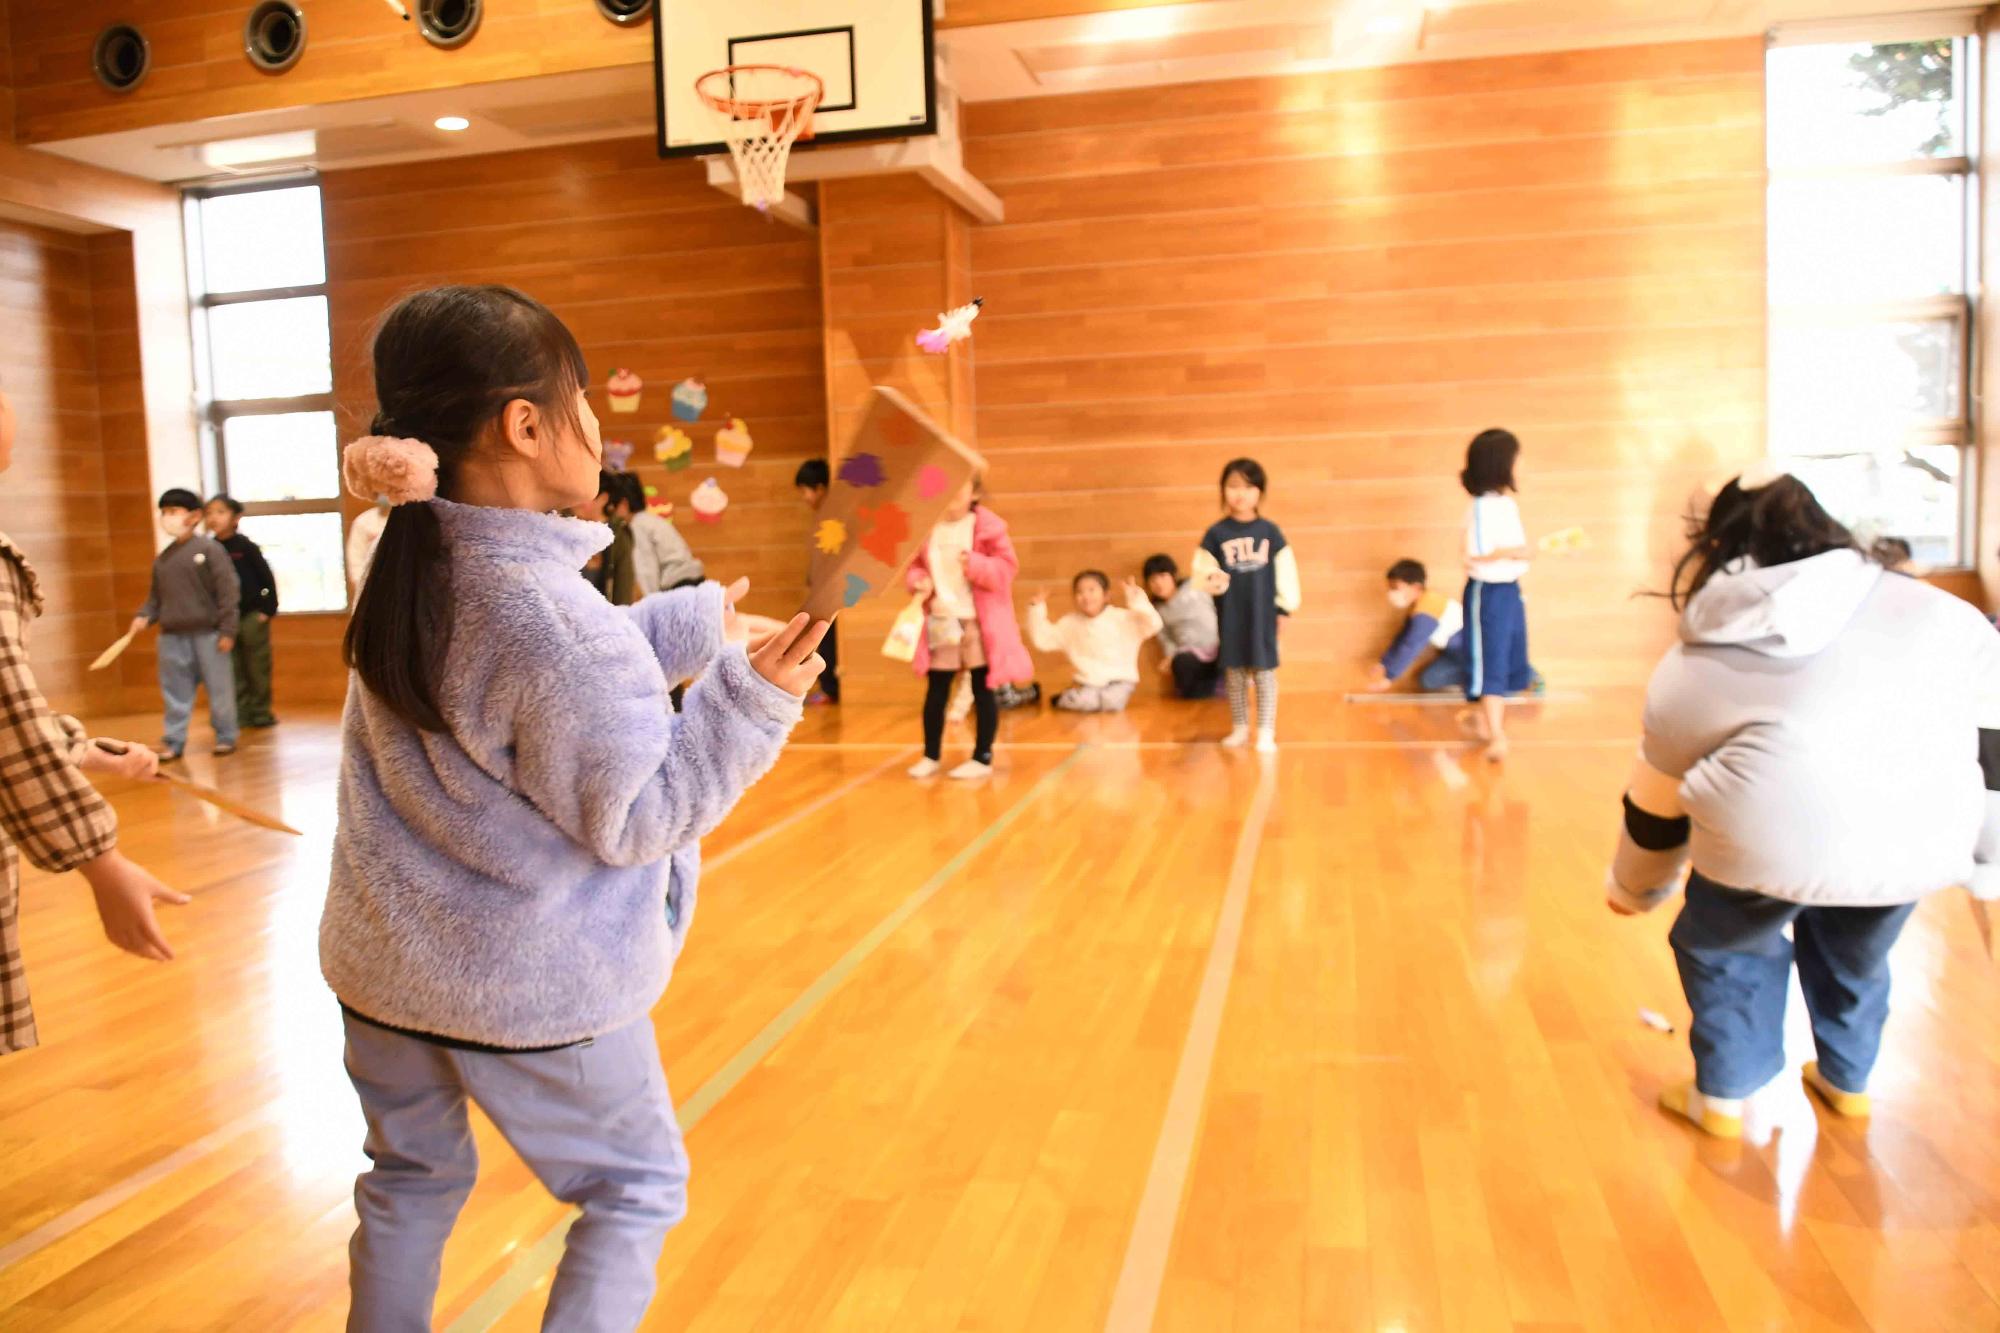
[{"x": 447, "y": 363}]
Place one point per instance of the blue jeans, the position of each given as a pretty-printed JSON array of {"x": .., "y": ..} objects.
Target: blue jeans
[
  {"x": 187, "y": 661},
  {"x": 1736, "y": 967},
  {"x": 1444, "y": 674},
  {"x": 593, "y": 1121}
]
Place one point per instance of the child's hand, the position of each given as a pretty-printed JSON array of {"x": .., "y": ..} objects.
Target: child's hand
[
  {"x": 122, "y": 758},
  {"x": 125, "y": 896},
  {"x": 139, "y": 624},
  {"x": 920, "y": 582},
  {"x": 1039, "y": 602},
  {"x": 1166, "y": 666},
  {"x": 965, "y": 560},
  {"x": 734, "y": 630},
  {"x": 1133, "y": 592},
  {"x": 789, "y": 659}
]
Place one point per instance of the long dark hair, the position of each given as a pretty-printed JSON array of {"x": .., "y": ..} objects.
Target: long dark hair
[
  {"x": 1489, "y": 462},
  {"x": 1774, "y": 524},
  {"x": 447, "y": 362}
]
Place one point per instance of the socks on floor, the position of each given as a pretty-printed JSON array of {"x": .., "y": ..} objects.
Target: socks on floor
[
  {"x": 1851, "y": 1105},
  {"x": 1720, "y": 1117}
]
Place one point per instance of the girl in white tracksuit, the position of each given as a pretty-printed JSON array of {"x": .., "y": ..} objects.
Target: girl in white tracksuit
[{"x": 1824, "y": 746}]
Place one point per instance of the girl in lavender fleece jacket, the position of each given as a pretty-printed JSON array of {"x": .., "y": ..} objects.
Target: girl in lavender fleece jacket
[{"x": 520, "y": 806}]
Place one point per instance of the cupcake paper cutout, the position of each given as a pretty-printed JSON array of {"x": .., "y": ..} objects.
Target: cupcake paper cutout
[
  {"x": 673, "y": 447},
  {"x": 690, "y": 399},
  {"x": 623, "y": 390},
  {"x": 733, "y": 443},
  {"x": 708, "y": 501}
]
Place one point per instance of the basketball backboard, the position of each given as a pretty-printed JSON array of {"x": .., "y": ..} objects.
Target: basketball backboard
[{"x": 875, "y": 58}]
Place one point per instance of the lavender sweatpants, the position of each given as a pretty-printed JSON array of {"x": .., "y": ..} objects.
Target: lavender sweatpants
[{"x": 595, "y": 1124}]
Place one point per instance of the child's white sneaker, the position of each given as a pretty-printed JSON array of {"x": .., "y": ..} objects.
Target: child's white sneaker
[
  {"x": 925, "y": 768},
  {"x": 1237, "y": 738},
  {"x": 1267, "y": 743},
  {"x": 971, "y": 770}
]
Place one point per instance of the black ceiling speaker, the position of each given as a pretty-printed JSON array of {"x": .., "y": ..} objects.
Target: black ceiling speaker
[
  {"x": 274, "y": 36},
  {"x": 449, "y": 23},
  {"x": 121, "y": 57},
  {"x": 625, "y": 12}
]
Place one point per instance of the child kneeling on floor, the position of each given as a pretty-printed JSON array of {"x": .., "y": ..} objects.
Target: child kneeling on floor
[
  {"x": 1190, "y": 641},
  {"x": 1101, "y": 641}
]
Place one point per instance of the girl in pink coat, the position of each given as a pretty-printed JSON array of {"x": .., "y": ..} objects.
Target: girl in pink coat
[{"x": 966, "y": 572}]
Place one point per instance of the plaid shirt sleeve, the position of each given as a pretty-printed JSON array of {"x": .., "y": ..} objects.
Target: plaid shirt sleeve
[{"x": 47, "y": 806}]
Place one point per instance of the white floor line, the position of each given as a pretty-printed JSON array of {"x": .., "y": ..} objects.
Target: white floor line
[
  {"x": 1137, "y": 1296},
  {"x": 83, "y": 1214},
  {"x": 534, "y": 1263},
  {"x": 97, "y": 1205}
]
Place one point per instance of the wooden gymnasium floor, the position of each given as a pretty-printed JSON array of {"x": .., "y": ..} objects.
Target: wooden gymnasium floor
[{"x": 1345, "y": 1041}]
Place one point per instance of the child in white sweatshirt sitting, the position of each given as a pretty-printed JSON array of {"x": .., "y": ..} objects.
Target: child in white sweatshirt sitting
[{"x": 1101, "y": 641}]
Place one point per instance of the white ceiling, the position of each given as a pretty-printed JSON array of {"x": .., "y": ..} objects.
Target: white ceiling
[{"x": 1158, "y": 46}]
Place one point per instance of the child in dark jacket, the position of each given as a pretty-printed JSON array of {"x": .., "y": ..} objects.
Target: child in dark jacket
[{"x": 256, "y": 606}]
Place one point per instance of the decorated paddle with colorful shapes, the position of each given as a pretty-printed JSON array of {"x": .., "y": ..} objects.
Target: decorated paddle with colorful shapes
[{"x": 899, "y": 473}]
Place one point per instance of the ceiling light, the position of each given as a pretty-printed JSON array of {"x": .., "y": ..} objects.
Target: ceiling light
[
  {"x": 452, "y": 124},
  {"x": 1385, "y": 25},
  {"x": 225, "y": 154}
]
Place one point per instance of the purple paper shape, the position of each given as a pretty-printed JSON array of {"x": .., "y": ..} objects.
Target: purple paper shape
[{"x": 863, "y": 470}]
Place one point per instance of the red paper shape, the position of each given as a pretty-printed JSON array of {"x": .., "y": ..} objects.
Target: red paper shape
[{"x": 888, "y": 529}]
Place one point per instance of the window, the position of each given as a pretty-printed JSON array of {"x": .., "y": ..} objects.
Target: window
[
  {"x": 257, "y": 263},
  {"x": 1871, "y": 207}
]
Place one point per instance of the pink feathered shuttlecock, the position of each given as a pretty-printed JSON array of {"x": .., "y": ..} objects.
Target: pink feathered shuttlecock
[
  {"x": 383, "y": 467},
  {"x": 952, "y": 326}
]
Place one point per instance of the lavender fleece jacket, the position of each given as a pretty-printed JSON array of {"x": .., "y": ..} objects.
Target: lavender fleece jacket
[{"x": 509, "y": 882}]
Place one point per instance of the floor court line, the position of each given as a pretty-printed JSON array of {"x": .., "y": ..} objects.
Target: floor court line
[
  {"x": 538, "y": 1260},
  {"x": 1136, "y": 1298},
  {"x": 97, "y": 1205},
  {"x": 83, "y": 1214}
]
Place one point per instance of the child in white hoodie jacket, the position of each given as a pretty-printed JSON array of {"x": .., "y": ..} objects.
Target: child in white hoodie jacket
[
  {"x": 1101, "y": 641},
  {"x": 1824, "y": 745}
]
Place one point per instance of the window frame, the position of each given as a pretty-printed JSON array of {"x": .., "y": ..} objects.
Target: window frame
[
  {"x": 1961, "y": 431},
  {"x": 213, "y": 413}
]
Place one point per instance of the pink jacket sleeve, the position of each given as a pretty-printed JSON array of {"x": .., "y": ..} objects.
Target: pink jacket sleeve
[{"x": 993, "y": 569}]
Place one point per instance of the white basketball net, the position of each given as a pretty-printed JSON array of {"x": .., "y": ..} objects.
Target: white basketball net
[{"x": 768, "y": 107}]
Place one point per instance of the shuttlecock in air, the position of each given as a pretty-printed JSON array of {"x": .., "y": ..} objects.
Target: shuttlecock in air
[{"x": 952, "y": 326}]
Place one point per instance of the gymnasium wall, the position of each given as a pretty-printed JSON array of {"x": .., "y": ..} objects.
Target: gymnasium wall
[
  {"x": 1346, "y": 276},
  {"x": 652, "y": 270},
  {"x": 71, "y": 452}
]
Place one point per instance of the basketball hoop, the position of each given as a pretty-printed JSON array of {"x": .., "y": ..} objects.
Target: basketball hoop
[{"x": 767, "y": 108}]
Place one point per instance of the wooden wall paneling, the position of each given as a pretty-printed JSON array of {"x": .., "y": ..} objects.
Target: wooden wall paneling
[
  {"x": 1346, "y": 276},
  {"x": 356, "y": 49},
  {"x": 653, "y": 271},
  {"x": 893, "y": 254},
  {"x": 50, "y": 503}
]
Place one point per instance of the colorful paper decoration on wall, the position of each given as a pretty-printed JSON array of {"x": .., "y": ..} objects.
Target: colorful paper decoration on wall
[
  {"x": 622, "y": 389},
  {"x": 733, "y": 444},
  {"x": 882, "y": 524},
  {"x": 708, "y": 501},
  {"x": 690, "y": 398},
  {"x": 952, "y": 326},
  {"x": 655, "y": 503},
  {"x": 674, "y": 447},
  {"x": 617, "y": 453}
]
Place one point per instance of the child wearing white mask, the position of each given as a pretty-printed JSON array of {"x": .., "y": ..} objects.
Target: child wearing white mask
[{"x": 194, "y": 601}]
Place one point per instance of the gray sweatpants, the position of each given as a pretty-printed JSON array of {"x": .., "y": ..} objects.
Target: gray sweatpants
[
  {"x": 1110, "y": 698},
  {"x": 595, "y": 1124}
]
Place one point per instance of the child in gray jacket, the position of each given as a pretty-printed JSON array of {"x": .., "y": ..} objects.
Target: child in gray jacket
[
  {"x": 520, "y": 806},
  {"x": 1824, "y": 745}
]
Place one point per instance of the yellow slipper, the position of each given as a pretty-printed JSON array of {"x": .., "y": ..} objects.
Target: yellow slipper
[
  {"x": 1850, "y": 1105},
  {"x": 1682, "y": 1100}
]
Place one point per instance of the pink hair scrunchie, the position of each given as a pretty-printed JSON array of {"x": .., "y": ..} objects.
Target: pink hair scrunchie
[{"x": 384, "y": 467}]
